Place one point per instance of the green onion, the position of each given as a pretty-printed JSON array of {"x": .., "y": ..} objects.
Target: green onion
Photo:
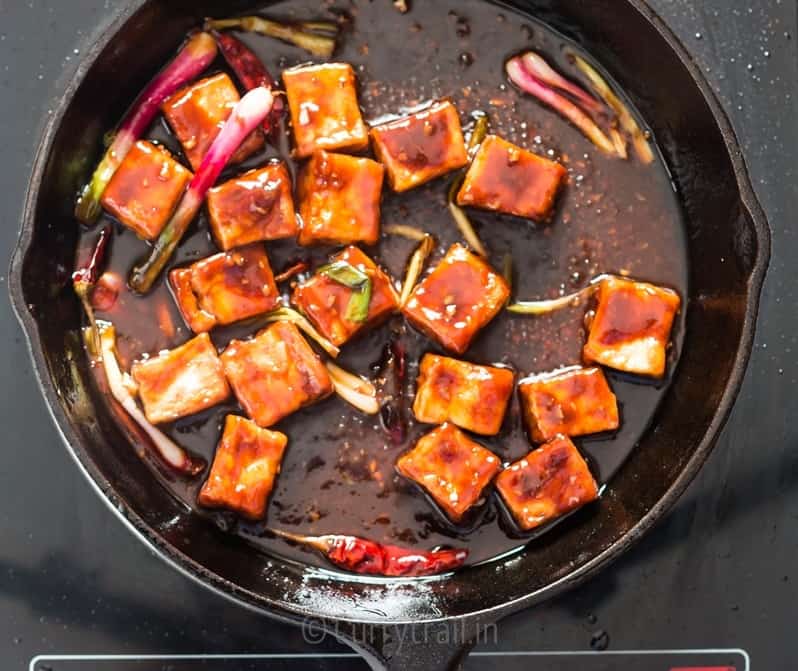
[
  {"x": 355, "y": 390},
  {"x": 518, "y": 72},
  {"x": 619, "y": 141},
  {"x": 327, "y": 28},
  {"x": 355, "y": 279},
  {"x": 544, "y": 73},
  {"x": 415, "y": 266},
  {"x": 315, "y": 40},
  {"x": 479, "y": 133},
  {"x": 458, "y": 214},
  {"x": 409, "y": 232},
  {"x": 120, "y": 386},
  {"x": 344, "y": 273},
  {"x": 195, "y": 56},
  {"x": 247, "y": 115},
  {"x": 291, "y": 315},
  {"x": 546, "y": 306},
  {"x": 627, "y": 121}
]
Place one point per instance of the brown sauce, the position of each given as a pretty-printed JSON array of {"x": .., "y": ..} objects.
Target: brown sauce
[{"x": 615, "y": 216}]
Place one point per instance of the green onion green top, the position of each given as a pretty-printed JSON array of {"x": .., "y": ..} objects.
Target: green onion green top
[{"x": 355, "y": 279}]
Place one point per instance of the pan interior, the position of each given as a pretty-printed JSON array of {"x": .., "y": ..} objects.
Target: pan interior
[{"x": 616, "y": 216}]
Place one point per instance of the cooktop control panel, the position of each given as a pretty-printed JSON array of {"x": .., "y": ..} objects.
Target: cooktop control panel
[{"x": 649, "y": 660}]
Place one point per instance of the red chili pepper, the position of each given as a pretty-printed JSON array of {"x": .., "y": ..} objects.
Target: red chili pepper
[
  {"x": 360, "y": 555},
  {"x": 86, "y": 276},
  {"x": 393, "y": 413},
  {"x": 291, "y": 271},
  {"x": 252, "y": 73}
]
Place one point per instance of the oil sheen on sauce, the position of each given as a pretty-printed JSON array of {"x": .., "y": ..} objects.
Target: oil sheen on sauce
[{"x": 615, "y": 216}]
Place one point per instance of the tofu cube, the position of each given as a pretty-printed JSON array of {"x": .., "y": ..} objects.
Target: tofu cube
[
  {"x": 547, "y": 483},
  {"x": 146, "y": 189},
  {"x": 244, "y": 469},
  {"x": 451, "y": 467},
  {"x": 197, "y": 319},
  {"x": 276, "y": 373},
  {"x": 197, "y": 113},
  {"x": 458, "y": 298},
  {"x": 632, "y": 326},
  {"x": 255, "y": 206},
  {"x": 472, "y": 397},
  {"x": 506, "y": 178},
  {"x": 182, "y": 381},
  {"x": 339, "y": 200},
  {"x": 574, "y": 401},
  {"x": 324, "y": 109},
  {"x": 325, "y": 302},
  {"x": 229, "y": 286},
  {"x": 418, "y": 148}
]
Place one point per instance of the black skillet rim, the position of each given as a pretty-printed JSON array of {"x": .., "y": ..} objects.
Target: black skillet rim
[{"x": 260, "y": 603}]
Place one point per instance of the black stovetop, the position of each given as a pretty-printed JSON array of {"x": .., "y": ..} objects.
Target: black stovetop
[{"x": 718, "y": 573}]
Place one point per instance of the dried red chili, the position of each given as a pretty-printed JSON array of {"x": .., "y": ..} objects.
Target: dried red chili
[
  {"x": 363, "y": 556},
  {"x": 85, "y": 277},
  {"x": 291, "y": 271},
  {"x": 393, "y": 413},
  {"x": 252, "y": 73}
]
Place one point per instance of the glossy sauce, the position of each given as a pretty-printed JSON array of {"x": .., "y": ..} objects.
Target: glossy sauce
[{"x": 338, "y": 475}]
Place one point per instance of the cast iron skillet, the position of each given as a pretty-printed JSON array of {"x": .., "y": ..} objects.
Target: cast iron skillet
[{"x": 728, "y": 252}]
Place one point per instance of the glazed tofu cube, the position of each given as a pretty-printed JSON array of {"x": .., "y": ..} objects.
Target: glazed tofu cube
[
  {"x": 229, "y": 287},
  {"x": 472, "y": 397},
  {"x": 547, "y": 483},
  {"x": 420, "y": 147},
  {"x": 275, "y": 373},
  {"x": 339, "y": 200},
  {"x": 244, "y": 469},
  {"x": 451, "y": 467},
  {"x": 255, "y": 206},
  {"x": 197, "y": 113},
  {"x": 182, "y": 381},
  {"x": 324, "y": 110},
  {"x": 146, "y": 189},
  {"x": 506, "y": 178},
  {"x": 573, "y": 402},
  {"x": 632, "y": 326},
  {"x": 197, "y": 319},
  {"x": 326, "y": 302},
  {"x": 458, "y": 298}
]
